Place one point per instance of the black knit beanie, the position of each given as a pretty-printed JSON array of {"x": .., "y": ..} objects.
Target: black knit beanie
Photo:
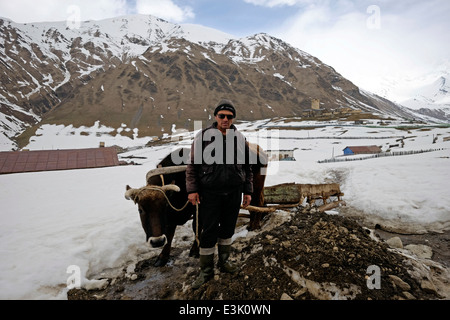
[{"x": 225, "y": 105}]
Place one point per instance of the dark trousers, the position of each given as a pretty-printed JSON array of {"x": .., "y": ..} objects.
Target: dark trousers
[{"x": 218, "y": 216}]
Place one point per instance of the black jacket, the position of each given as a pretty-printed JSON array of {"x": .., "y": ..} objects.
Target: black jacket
[{"x": 219, "y": 163}]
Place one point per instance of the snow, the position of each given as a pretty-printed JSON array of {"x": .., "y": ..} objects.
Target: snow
[
  {"x": 278, "y": 75},
  {"x": 125, "y": 37},
  {"x": 200, "y": 34},
  {"x": 432, "y": 94},
  {"x": 41, "y": 239},
  {"x": 53, "y": 221},
  {"x": 412, "y": 188},
  {"x": 427, "y": 91},
  {"x": 56, "y": 137}
]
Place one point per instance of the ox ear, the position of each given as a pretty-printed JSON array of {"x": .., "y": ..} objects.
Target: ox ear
[{"x": 131, "y": 193}]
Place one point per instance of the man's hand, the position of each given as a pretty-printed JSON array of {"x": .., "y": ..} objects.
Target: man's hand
[
  {"x": 246, "y": 200},
  {"x": 194, "y": 198}
]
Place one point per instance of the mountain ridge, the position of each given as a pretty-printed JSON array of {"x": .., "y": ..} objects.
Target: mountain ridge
[
  {"x": 150, "y": 74},
  {"x": 427, "y": 95},
  {"x": 432, "y": 98}
]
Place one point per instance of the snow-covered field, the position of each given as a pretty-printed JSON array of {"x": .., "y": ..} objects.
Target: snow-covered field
[{"x": 53, "y": 221}]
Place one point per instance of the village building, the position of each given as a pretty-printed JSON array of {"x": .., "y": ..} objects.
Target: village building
[
  {"x": 361, "y": 150},
  {"x": 315, "y": 104},
  {"x": 315, "y": 110},
  {"x": 49, "y": 160},
  {"x": 280, "y": 155}
]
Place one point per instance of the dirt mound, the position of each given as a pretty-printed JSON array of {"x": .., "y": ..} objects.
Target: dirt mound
[
  {"x": 314, "y": 256},
  {"x": 310, "y": 255}
]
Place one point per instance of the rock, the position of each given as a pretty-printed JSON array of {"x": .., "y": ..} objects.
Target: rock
[
  {"x": 300, "y": 292},
  {"x": 325, "y": 265},
  {"x": 96, "y": 284},
  {"x": 285, "y": 296},
  {"x": 286, "y": 244},
  {"x": 395, "y": 242},
  {"x": 408, "y": 295},
  {"x": 343, "y": 230},
  {"x": 420, "y": 250},
  {"x": 120, "y": 289},
  {"x": 399, "y": 283},
  {"x": 428, "y": 286}
]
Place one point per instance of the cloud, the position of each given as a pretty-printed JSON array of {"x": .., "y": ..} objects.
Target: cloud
[
  {"x": 277, "y": 3},
  {"x": 366, "y": 42},
  {"x": 165, "y": 9},
  {"x": 23, "y": 11}
]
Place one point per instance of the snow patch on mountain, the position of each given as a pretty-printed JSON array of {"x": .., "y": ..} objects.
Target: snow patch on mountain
[
  {"x": 427, "y": 95},
  {"x": 77, "y": 53},
  {"x": 434, "y": 94}
]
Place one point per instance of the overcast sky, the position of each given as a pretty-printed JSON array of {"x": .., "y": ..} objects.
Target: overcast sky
[{"x": 367, "y": 41}]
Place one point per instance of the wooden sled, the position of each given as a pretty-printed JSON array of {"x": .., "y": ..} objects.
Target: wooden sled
[{"x": 291, "y": 195}]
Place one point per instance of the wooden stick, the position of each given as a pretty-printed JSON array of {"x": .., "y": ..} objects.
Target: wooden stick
[
  {"x": 331, "y": 205},
  {"x": 259, "y": 209}
]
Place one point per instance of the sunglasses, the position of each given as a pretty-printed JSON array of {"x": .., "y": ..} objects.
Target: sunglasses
[{"x": 228, "y": 116}]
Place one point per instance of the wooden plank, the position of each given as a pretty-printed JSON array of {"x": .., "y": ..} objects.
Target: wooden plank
[
  {"x": 331, "y": 205},
  {"x": 292, "y": 193},
  {"x": 282, "y": 194}
]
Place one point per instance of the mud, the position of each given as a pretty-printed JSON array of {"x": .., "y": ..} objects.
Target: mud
[{"x": 299, "y": 255}]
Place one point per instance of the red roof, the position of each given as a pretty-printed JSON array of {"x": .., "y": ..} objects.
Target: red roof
[
  {"x": 48, "y": 160},
  {"x": 365, "y": 149}
]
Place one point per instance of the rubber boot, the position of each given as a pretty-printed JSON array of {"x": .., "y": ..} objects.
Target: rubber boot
[
  {"x": 206, "y": 270},
  {"x": 225, "y": 265}
]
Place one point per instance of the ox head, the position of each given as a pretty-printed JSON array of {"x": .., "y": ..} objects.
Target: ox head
[{"x": 152, "y": 205}]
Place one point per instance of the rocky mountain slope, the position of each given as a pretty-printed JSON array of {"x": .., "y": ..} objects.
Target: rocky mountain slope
[{"x": 151, "y": 74}]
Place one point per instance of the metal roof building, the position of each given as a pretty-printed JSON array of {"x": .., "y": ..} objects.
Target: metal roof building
[
  {"x": 48, "y": 160},
  {"x": 362, "y": 150}
]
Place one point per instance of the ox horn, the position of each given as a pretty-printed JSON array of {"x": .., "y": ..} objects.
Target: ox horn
[
  {"x": 165, "y": 170},
  {"x": 170, "y": 187},
  {"x": 130, "y": 193}
]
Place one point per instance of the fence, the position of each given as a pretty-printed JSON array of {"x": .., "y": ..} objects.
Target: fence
[
  {"x": 379, "y": 155},
  {"x": 341, "y": 138}
]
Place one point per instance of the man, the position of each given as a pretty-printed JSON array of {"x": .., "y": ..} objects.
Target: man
[{"x": 216, "y": 177}]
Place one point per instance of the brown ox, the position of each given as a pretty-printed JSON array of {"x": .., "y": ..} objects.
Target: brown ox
[
  {"x": 166, "y": 191},
  {"x": 259, "y": 177}
]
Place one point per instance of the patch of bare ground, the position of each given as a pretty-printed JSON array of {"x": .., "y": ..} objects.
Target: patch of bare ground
[{"x": 306, "y": 256}]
